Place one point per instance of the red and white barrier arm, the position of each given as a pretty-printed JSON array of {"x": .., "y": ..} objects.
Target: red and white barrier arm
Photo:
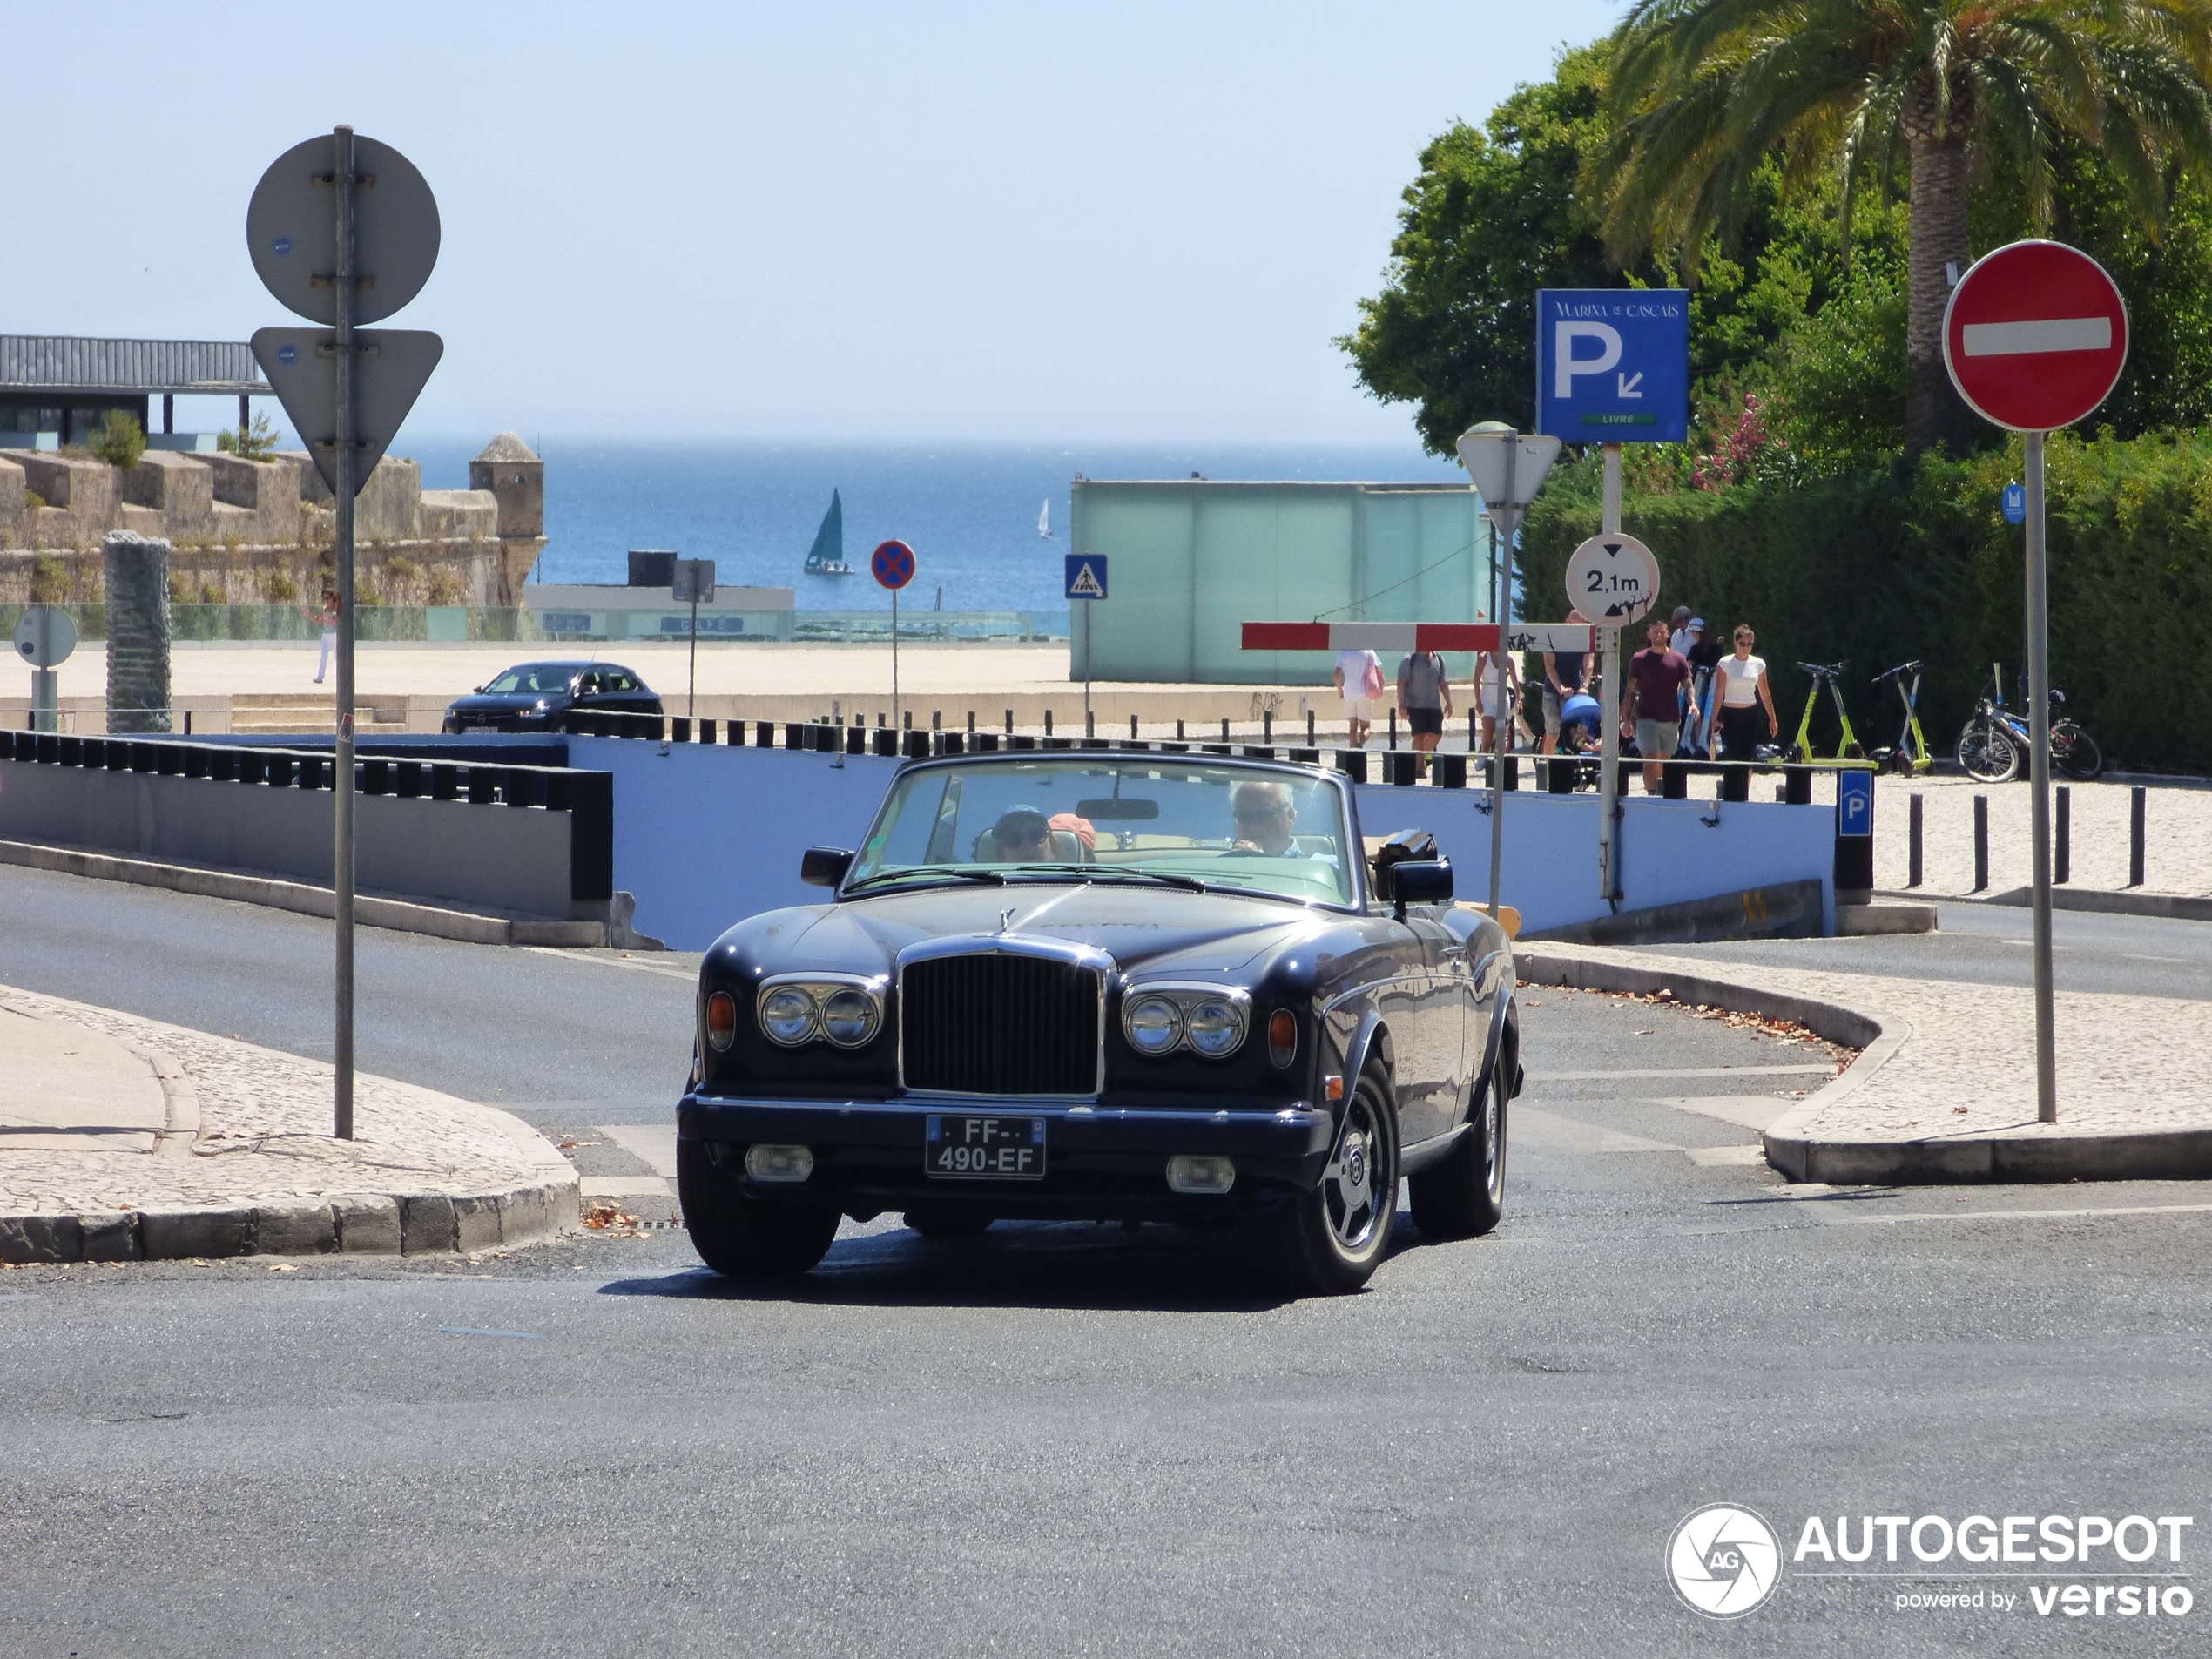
[{"x": 1418, "y": 635}]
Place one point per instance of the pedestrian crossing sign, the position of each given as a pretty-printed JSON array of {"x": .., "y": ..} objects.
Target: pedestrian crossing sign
[{"x": 1086, "y": 575}]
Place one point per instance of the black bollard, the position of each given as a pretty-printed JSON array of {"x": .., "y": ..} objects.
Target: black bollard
[
  {"x": 2138, "y": 809},
  {"x": 2062, "y": 843},
  {"x": 1981, "y": 843},
  {"x": 1912, "y": 829}
]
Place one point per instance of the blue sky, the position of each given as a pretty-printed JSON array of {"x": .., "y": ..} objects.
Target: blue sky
[{"x": 950, "y": 221}]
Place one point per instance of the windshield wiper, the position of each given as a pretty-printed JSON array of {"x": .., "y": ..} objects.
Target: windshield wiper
[
  {"x": 929, "y": 873},
  {"x": 1096, "y": 872}
]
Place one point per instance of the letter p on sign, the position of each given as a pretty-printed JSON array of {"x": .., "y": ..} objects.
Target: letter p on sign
[{"x": 1566, "y": 365}]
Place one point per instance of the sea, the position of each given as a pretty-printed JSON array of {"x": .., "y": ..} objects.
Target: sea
[{"x": 969, "y": 511}]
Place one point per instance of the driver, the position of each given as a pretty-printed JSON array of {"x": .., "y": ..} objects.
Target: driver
[
  {"x": 1022, "y": 835},
  {"x": 1264, "y": 819}
]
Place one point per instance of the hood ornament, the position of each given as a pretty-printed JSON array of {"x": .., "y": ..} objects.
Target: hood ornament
[{"x": 1006, "y": 918}]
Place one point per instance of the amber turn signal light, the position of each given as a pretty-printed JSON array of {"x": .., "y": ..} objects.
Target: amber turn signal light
[
  {"x": 1282, "y": 1037},
  {"x": 721, "y": 1020}
]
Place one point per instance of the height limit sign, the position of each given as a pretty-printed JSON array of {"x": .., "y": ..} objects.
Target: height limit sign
[{"x": 1612, "y": 580}]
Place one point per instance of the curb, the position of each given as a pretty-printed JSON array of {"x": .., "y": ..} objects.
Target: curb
[
  {"x": 400, "y": 915},
  {"x": 367, "y": 1224},
  {"x": 2177, "y": 1155},
  {"x": 2184, "y": 906}
]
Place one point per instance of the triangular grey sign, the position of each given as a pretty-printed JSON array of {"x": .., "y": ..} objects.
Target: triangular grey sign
[{"x": 391, "y": 367}]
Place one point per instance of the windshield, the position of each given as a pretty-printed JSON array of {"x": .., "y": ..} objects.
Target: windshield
[
  {"x": 536, "y": 677},
  {"x": 1133, "y": 817}
]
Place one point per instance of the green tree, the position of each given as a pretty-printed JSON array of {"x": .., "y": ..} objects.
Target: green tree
[
  {"x": 119, "y": 440},
  {"x": 1708, "y": 95}
]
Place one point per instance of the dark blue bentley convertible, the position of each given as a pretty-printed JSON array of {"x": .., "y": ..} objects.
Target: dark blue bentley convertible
[{"x": 1098, "y": 984}]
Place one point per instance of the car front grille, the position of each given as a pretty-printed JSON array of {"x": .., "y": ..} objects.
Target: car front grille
[{"x": 998, "y": 1023}]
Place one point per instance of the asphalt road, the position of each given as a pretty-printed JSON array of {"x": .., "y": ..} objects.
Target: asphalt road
[{"x": 1067, "y": 1439}]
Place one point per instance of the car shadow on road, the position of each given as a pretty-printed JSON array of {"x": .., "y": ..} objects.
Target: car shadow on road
[{"x": 1071, "y": 1265}]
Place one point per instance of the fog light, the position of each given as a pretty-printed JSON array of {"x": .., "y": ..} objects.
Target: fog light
[
  {"x": 1187, "y": 1174},
  {"x": 721, "y": 1021},
  {"x": 788, "y": 1164}
]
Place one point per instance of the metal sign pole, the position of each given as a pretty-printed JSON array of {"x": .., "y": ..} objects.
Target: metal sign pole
[
  {"x": 342, "y": 779},
  {"x": 897, "y": 725},
  {"x": 1498, "y": 586},
  {"x": 1609, "y": 780},
  {"x": 691, "y": 687},
  {"x": 1087, "y": 668},
  {"x": 2038, "y": 726}
]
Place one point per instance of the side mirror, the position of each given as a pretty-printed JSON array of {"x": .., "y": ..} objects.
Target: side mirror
[
  {"x": 825, "y": 866},
  {"x": 1421, "y": 881}
]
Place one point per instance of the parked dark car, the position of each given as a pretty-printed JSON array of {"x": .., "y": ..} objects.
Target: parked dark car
[
  {"x": 1106, "y": 984},
  {"x": 532, "y": 696}
]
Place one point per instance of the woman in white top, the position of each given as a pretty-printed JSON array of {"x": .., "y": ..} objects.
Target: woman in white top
[
  {"x": 1360, "y": 684},
  {"x": 1496, "y": 702},
  {"x": 327, "y": 620},
  {"x": 1743, "y": 693}
]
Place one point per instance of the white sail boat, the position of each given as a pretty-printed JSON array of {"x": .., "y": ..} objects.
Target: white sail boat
[{"x": 1044, "y": 519}]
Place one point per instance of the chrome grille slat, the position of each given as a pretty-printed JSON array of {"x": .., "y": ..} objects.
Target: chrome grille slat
[{"x": 992, "y": 1022}]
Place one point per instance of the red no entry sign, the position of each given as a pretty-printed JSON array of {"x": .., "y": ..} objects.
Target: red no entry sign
[
  {"x": 2035, "y": 336},
  {"x": 894, "y": 565}
]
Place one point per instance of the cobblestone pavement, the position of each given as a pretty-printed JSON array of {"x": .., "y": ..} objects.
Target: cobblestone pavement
[
  {"x": 2127, "y": 1065},
  {"x": 264, "y": 1132}
]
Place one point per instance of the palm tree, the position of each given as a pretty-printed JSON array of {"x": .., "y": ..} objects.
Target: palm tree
[{"x": 1704, "y": 91}]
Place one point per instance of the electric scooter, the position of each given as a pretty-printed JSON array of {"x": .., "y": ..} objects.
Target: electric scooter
[
  {"x": 1848, "y": 750},
  {"x": 1911, "y": 755}
]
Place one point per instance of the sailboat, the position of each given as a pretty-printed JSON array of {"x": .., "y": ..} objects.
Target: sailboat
[
  {"x": 827, "y": 556},
  {"x": 1044, "y": 519}
]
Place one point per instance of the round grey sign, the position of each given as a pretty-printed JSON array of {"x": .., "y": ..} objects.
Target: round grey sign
[
  {"x": 45, "y": 635},
  {"x": 292, "y": 230}
]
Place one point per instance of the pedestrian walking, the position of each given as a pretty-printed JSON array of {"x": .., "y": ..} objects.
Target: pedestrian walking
[
  {"x": 1705, "y": 654},
  {"x": 1359, "y": 683},
  {"x": 1425, "y": 698},
  {"x": 1678, "y": 630},
  {"x": 1567, "y": 673},
  {"x": 1498, "y": 702},
  {"x": 327, "y": 620},
  {"x": 1651, "y": 704},
  {"x": 1744, "y": 692}
]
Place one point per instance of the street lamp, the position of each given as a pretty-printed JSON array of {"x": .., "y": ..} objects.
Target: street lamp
[{"x": 1507, "y": 468}]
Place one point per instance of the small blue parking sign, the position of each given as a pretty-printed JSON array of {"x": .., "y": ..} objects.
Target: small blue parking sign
[
  {"x": 1086, "y": 575},
  {"x": 2016, "y": 503},
  {"x": 1613, "y": 365},
  {"x": 1854, "y": 803}
]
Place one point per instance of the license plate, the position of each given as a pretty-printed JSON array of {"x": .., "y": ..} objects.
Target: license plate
[{"x": 984, "y": 1149}]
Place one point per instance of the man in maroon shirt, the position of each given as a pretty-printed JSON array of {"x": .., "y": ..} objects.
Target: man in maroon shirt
[{"x": 1651, "y": 703}]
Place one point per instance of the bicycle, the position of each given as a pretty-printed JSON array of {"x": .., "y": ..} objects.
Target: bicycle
[
  {"x": 1994, "y": 746},
  {"x": 1848, "y": 751},
  {"x": 1910, "y": 755}
]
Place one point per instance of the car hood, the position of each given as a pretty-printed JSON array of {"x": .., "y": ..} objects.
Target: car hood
[
  {"x": 505, "y": 702},
  {"x": 1141, "y": 926}
]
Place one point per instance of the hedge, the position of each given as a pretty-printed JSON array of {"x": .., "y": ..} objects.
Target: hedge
[{"x": 1898, "y": 562}]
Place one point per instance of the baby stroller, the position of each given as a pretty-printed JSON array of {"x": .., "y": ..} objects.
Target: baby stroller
[{"x": 1578, "y": 735}]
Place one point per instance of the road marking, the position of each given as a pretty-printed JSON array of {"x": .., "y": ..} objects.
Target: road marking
[
  {"x": 2014, "y": 1215},
  {"x": 1682, "y": 1071},
  {"x": 653, "y": 1144},
  {"x": 466, "y": 1331},
  {"x": 1754, "y": 1112},
  {"x": 2047, "y": 333},
  {"x": 689, "y": 976}
]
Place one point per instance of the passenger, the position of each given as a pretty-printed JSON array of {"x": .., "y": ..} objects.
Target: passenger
[
  {"x": 1264, "y": 819},
  {"x": 1022, "y": 835}
]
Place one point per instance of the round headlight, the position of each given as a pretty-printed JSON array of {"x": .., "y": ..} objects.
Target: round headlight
[
  {"x": 1153, "y": 1025},
  {"x": 787, "y": 1014},
  {"x": 849, "y": 1018},
  {"x": 1216, "y": 1026}
]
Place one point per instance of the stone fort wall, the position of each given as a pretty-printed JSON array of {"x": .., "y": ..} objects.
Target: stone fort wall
[{"x": 260, "y": 532}]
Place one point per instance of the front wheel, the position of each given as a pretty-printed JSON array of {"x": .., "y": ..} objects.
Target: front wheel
[
  {"x": 739, "y": 1236},
  {"x": 1330, "y": 1239},
  {"x": 2075, "y": 750},
  {"x": 1986, "y": 753}
]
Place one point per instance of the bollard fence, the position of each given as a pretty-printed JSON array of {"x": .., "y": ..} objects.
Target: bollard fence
[
  {"x": 2138, "y": 808},
  {"x": 1393, "y": 728},
  {"x": 1309, "y": 728},
  {"x": 1912, "y": 842},
  {"x": 2062, "y": 841},
  {"x": 1981, "y": 843}
]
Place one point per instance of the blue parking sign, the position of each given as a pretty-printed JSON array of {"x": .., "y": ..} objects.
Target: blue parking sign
[
  {"x": 1613, "y": 365},
  {"x": 1854, "y": 803},
  {"x": 1086, "y": 575}
]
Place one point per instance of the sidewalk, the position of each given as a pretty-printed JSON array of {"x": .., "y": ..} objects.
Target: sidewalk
[
  {"x": 125, "y": 1139},
  {"x": 1945, "y": 1088}
]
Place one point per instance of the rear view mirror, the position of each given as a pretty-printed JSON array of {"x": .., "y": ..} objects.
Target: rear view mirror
[
  {"x": 1116, "y": 806},
  {"x": 824, "y": 867},
  {"x": 1421, "y": 882}
]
